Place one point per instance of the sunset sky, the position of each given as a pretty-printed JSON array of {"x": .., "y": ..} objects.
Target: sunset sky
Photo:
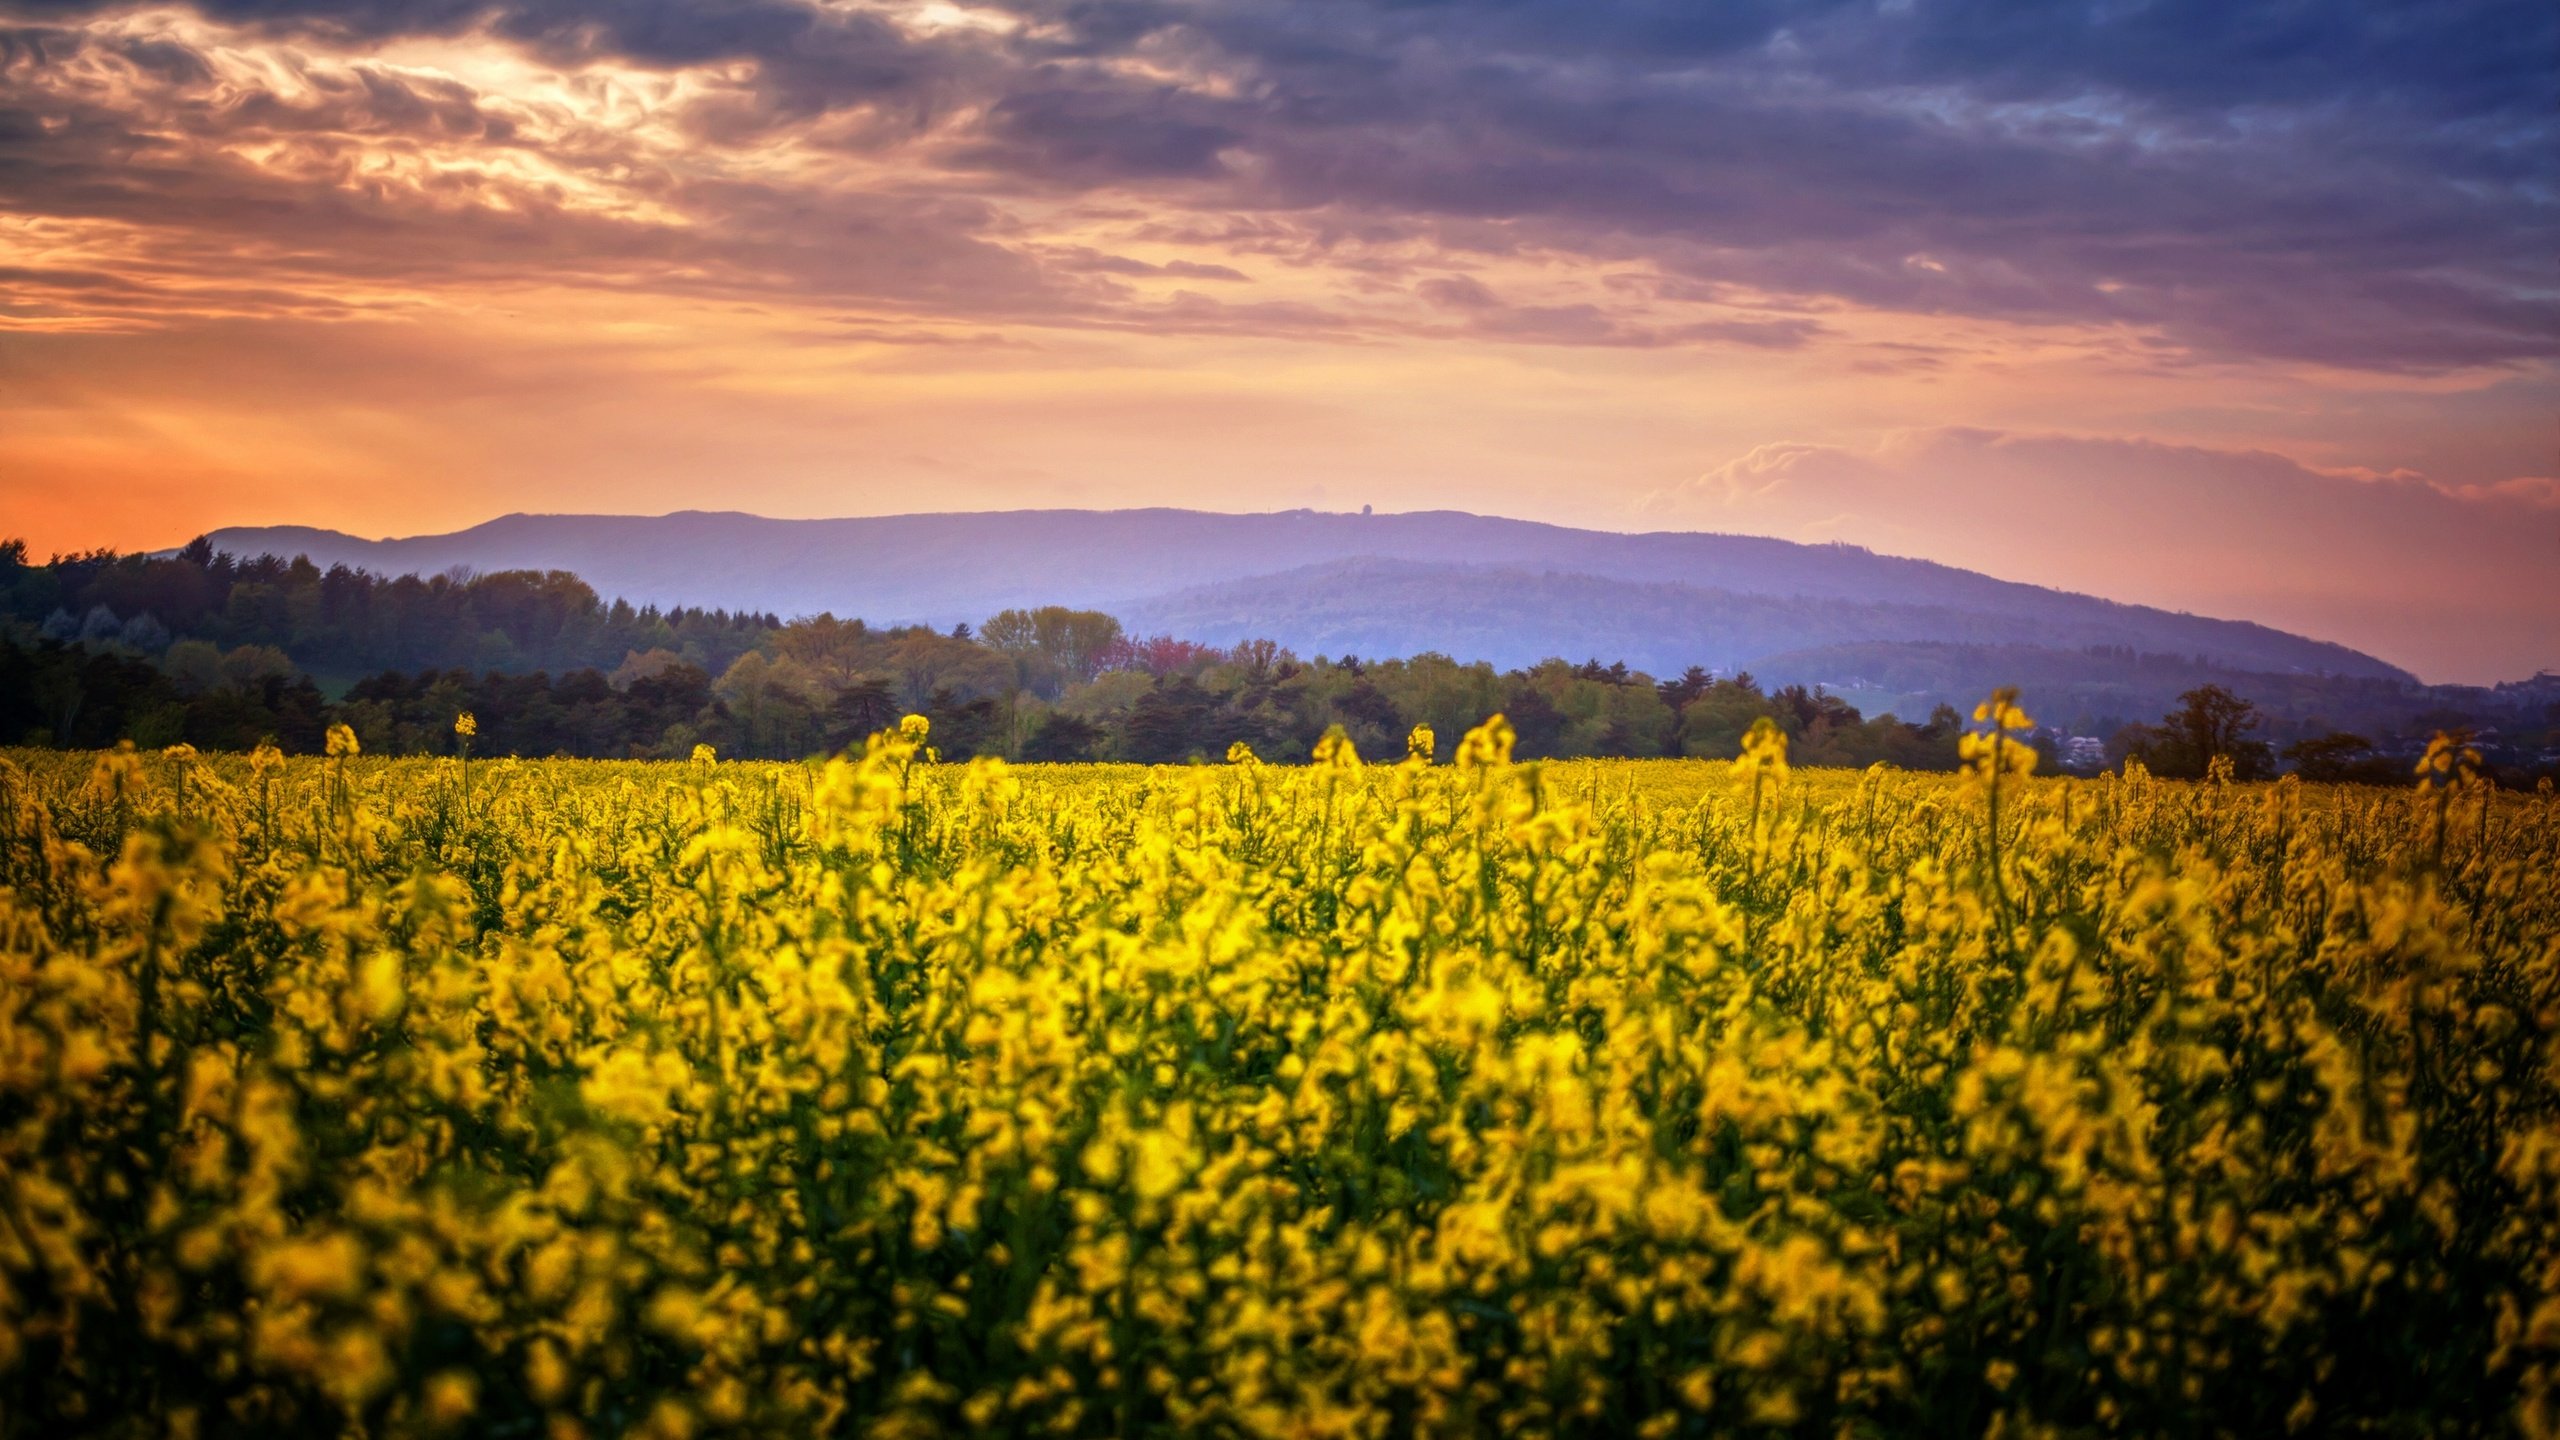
[{"x": 2251, "y": 310}]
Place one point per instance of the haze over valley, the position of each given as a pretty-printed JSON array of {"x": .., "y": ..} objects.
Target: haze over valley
[{"x": 1468, "y": 586}]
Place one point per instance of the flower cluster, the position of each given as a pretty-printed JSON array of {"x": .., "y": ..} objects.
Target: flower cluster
[{"x": 889, "y": 1098}]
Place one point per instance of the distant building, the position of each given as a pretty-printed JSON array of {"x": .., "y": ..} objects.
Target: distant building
[{"x": 2082, "y": 752}]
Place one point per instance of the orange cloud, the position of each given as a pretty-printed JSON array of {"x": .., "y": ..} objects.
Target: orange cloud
[{"x": 2464, "y": 573}]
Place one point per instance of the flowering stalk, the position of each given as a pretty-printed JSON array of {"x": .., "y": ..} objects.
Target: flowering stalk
[{"x": 465, "y": 726}]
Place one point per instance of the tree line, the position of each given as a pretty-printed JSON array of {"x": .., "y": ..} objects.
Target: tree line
[
  {"x": 225, "y": 615},
  {"x": 2211, "y": 726},
  {"x": 218, "y": 652}
]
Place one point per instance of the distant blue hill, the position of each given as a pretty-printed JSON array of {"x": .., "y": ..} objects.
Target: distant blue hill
[{"x": 1472, "y": 586}]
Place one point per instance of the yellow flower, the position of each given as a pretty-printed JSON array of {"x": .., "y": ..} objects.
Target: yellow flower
[
  {"x": 451, "y": 1397},
  {"x": 546, "y": 1374},
  {"x": 382, "y": 986},
  {"x": 2001, "y": 711},
  {"x": 1487, "y": 745},
  {"x": 342, "y": 741},
  {"x": 465, "y": 725},
  {"x": 1334, "y": 751},
  {"x": 118, "y": 774},
  {"x": 1420, "y": 744},
  {"x": 1764, "y": 752},
  {"x": 1999, "y": 749},
  {"x": 1159, "y": 1168},
  {"x": 2448, "y": 756}
]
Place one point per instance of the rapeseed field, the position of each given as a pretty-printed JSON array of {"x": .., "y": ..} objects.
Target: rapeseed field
[{"x": 882, "y": 1097}]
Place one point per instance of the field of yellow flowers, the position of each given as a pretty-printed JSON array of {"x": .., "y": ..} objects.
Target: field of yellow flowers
[{"x": 885, "y": 1097}]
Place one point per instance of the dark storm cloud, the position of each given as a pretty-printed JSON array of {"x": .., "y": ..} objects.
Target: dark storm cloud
[{"x": 2367, "y": 185}]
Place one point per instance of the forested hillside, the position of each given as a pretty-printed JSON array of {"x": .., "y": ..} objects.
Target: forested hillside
[{"x": 203, "y": 648}]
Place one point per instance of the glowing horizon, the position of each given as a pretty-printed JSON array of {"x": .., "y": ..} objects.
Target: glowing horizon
[{"x": 2189, "y": 309}]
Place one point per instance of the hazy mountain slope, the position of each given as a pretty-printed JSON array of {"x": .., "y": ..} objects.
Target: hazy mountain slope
[
  {"x": 2085, "y": 692},
  {"x": 1514, "y": 616},
  {"x": 948, "y": 567},
  {"x": 924, "y": 566}
]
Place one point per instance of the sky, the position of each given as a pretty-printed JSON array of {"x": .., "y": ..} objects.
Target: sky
[{"x": 2245, "y": 309}]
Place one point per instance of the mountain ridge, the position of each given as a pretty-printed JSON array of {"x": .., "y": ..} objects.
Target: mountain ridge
[
  {"x": 1161, "y": 568},
  {"x": 1367, "y": 605}
]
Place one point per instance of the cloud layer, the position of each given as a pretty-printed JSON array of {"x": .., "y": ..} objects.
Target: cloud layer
[
  {"x": 2366, "y": 187},
  {"x": 1632, "y": 234}
]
